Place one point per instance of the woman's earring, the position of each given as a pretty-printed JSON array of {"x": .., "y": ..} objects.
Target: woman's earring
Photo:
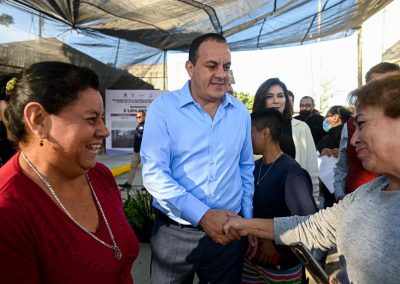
[{"x": 41, "y": 142}]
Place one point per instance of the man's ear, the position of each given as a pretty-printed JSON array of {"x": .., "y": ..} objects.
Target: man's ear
[
  {"x": 189, "y": 68},
  {"x": 36, "y": 119}
]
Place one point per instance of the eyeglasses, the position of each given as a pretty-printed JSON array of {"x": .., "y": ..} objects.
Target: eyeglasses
[
  {"x": 306, "y": 105},
  {"x": 139, "y": 117}
]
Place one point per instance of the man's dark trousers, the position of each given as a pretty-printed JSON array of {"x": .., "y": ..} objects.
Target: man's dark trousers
[{"x": 178, "y": 252}]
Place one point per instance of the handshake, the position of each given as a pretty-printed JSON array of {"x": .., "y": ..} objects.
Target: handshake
[{"x": 223, "y": 226}]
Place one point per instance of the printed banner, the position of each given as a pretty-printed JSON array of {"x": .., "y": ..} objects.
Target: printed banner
[{"x": 121, "y": 108}]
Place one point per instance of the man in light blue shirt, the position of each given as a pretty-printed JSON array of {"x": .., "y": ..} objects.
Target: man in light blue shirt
[{"x": 197, "y": 163}]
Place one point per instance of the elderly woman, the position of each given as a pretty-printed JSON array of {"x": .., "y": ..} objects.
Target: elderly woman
[
  {"x": 365, "y": 225},
  {"x": 61, "y": 214}
]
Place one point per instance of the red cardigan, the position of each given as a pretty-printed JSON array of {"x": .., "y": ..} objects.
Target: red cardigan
[
  {"x": 40, "y": 244},
  {"x": 356, "y": 175}
]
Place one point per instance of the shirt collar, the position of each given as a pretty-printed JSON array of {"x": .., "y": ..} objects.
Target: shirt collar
[{"x": 185, "y": 97}]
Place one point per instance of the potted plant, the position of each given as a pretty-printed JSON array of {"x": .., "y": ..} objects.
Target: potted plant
[{"x": 140, "y": 214}]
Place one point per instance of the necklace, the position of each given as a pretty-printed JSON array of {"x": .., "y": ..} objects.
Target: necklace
[
  {"x": 114, "y": 246},
  {"x": 259, "y": 171}
]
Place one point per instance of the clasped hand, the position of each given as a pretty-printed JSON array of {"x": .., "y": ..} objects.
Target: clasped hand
[{"x": 215, "y": 224}]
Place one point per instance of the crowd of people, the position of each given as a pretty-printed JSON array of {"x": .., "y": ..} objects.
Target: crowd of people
[{"x": 232, "y": 190}]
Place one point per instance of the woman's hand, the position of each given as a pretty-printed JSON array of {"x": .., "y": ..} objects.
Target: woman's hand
[
  {"x": 261, "y": 228},
  {"x": 252, "y": 247},
  {"x": 267, "y": 252},
  {"x": 235, "y": 223}
]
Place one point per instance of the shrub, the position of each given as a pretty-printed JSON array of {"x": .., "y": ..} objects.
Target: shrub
[{"x": 140, "y": 214}]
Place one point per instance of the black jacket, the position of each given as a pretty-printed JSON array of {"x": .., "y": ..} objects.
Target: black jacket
[
  {"x": 137, "y": 137},
  {"x": 332, "y": 139},
  {"x": 315, "y": 123}
]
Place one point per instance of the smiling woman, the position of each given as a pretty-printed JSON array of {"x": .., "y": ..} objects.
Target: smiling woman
[{"x": 71, "y": 226}]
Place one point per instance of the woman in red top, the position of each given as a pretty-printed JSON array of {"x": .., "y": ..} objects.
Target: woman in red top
[{"x": 61, "y": 214}]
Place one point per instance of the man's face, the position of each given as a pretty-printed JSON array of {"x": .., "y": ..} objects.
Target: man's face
[
  {"x": 306, "y": 104},
  {"x": 140, "y": 117},
  {"x": 210, "y": 75}
]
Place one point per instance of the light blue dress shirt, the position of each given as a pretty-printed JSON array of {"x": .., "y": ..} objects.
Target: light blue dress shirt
[{"x": 192, "y": 163}]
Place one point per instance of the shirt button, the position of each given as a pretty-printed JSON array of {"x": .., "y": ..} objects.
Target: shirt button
[
  {"x": 211, "y": 179},
  {"x": 211, "y": 162}
]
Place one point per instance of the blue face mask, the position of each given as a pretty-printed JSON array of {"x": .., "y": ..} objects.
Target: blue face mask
[{"x": 326, "y": 126}]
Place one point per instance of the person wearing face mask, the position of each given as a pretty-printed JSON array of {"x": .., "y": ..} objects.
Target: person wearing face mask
[
  {"x": 312, "y": 117},
  {"x": 333, "y": 123},
  {"x": 365, "y": 225}
]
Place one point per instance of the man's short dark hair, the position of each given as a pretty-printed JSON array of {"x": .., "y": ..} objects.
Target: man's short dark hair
[
  {"x": 268, "y": 118},
  {"x": 381, "y": 68},
  {"x": 194, "y": 46},
  {"x": 308, "y": 97}
]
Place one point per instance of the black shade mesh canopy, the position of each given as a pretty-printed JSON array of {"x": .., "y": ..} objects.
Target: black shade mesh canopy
[{"x": 129, "y": 32}]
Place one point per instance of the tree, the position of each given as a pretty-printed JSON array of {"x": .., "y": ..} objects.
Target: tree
[
  {"x": 328, "y": 93},
  {"x": 6, "y": 20},
  {"x": 245, "y": 98}
]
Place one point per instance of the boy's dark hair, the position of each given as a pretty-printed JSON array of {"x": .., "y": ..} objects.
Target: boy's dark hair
[{"x": 268, "y": 118}]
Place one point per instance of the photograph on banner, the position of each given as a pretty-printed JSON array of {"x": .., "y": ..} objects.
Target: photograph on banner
[{"x": 121, "y": 109}]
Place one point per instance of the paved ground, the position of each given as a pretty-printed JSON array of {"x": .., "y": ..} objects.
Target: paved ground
[{"x": 141, "y": 267}]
